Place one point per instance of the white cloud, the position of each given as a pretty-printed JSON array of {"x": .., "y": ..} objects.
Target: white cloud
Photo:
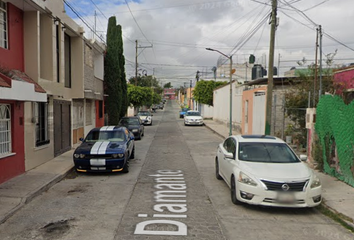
[{"x": 181, "y": 30}]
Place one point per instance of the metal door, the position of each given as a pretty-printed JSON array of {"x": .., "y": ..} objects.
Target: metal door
[
  {"x": 62, "y": 126},
  {"x": 259, "y": 112}
]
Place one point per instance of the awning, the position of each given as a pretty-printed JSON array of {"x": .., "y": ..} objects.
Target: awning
[{"x": 17, "y": 85}]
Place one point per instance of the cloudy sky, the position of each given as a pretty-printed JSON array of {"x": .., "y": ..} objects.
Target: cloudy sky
[{"x": 180, "y": 30}]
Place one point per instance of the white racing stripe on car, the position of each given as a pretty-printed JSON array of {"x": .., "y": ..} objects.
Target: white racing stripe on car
[
  {"x": 103, "y": 128},
  {"x": 103, "y": 147},
  {"x": 111, "y": 128},
  {"x": 95, "y": 147}
]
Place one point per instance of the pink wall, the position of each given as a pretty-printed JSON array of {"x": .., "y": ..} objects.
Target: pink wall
[
  {"x": 15, "y": 164},
  {"x": 13, "y": 57},
  {"x": 344, "y": 79},
  {"x": 99, "y": 121}
]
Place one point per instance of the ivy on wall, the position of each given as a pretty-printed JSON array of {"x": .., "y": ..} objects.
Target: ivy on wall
[{"x": 335, "y": 129}]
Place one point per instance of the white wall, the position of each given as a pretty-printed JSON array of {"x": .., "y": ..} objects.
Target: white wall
[
  {"x": 207, "y": 111},
  {"x": 222, "y": 105}
]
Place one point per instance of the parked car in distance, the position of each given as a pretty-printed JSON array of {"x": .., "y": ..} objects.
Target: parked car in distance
[
  {"x": 193, "y": 117},
  {"x": 105, "y": 149},
  {"x": 146, "y": 117},
  {"x": 154, "y": 107},
  {"x": 182, "y": 112},
  {"x": 160, "y": 105},
  {"x": 134, "y": 124},
  {"x": 264, "y": 170}
]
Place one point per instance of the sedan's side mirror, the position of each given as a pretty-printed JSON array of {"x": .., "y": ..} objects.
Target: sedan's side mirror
[
  {"x": 132, "y": 137},
  {"x": 229, "y": 155},
  {"x": 81, "y": 139},
  {"x": 303, "y": 157}
]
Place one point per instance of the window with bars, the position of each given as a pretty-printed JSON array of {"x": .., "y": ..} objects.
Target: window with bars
[
  {"x": 5, "y": 129},
  {"x": 41, "y": 116},
  {"x": 3, "y": 25}
]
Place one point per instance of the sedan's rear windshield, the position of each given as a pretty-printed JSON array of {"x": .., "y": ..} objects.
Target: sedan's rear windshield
[
  {"x": 144, "y": 114},
  {"x": 266, "y": 152},
  {"x": 192, "y": 114},
  {"x": 112, "y": 136},
  {"x": 129, "y": 121}
]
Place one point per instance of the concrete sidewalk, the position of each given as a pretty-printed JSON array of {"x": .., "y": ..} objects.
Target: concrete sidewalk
[
  {"x": 15, "y": 193},
  {"x": 20, "y": 190},
  {"x": 338, "y": 196}
]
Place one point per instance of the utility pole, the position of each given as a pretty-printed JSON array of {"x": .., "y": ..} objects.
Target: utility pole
[
  {"x": 270, "y": 67},
  {"x": 315, "y": 79},
  {"x": 136, "y": 59},
  {"x": 320, "y": 35},
  {"x": 190, "y": 95},
  {"x": 136, "y": 62}
]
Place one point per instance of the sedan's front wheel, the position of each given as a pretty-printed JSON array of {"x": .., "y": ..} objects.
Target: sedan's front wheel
[
  {"x": 132, "y": 155},
  {"x": 233, "y": 192},
  {"x": 126, "y": 167}
]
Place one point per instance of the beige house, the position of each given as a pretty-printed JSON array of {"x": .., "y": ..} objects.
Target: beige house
[{"x": 54, "y": 57}]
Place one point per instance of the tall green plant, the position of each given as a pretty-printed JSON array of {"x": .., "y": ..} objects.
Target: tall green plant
[
  {"x": 112, "y": 75},
  {"x": 203, "y": 91},
  {"x": 123, "y": 81}
]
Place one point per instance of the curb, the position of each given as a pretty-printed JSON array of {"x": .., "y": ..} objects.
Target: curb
[
  {"x": 33, "y": 194},
  {"x": 348, "y": 220},
  {"x": 220, "y": 135}
]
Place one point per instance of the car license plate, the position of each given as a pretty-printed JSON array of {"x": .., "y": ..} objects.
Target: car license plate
[
  {"x": 286, "y": 198},
  {"x": 98, "y": 168},
  {"x": 98, "y": 162}
]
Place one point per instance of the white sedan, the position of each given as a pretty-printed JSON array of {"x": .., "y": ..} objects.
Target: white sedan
[
  {"x": 264, "y": 170},
  {"x": 145, "y": 117},
  {"x": 193, "y": 117}
]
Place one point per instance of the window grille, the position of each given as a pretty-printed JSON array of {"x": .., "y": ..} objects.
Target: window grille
[
  {"x": 5, "y": 129},
  {"x": 3, "y": 25}
]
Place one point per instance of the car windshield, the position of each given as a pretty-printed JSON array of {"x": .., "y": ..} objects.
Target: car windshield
[
  {"x": 143, "y": 113},
  {"x": 100, "y": 136},
  {"x": 266, "y": 152},
  {"x": 193, "y": 114},
  {"x": 129, "y": 121}
]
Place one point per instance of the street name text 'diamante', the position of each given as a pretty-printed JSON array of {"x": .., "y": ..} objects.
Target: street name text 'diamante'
[{"x": 170, "y": 206}]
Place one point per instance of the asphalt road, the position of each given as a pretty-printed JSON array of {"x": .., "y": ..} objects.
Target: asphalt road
[{"x": 170, "y": 193}]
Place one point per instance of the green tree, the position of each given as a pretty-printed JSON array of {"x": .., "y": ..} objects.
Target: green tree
[
  {"x": 112, "y": 73},
  {"x": 123, "y": 81},
  {"x": 297, "y": 98},
  {"x": 156, "y": 98},
  {"x": 203, "y": 91},
  {"x": 140, "y": 96},
  {"x": 167, "y": 85}
]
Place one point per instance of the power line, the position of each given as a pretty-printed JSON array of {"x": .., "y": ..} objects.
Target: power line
[
  {"x": 136, "y": 22},
  {"x": 87, "y": 25},
  {"x": 176, "y": 6}
]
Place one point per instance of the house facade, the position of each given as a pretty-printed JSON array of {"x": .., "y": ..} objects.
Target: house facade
[
  {"x": 17, "y": 90},
  {"x": 344, "y": 80},
  {"x": 51, "y": 84}
]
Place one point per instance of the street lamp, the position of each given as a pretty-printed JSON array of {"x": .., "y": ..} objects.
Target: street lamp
[{"x": 230, "y": 58}]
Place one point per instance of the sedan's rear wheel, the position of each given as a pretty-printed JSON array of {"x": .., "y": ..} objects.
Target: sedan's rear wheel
[
  {"x": 217, "y": 175},
  {"x": 233, "y": 192}
]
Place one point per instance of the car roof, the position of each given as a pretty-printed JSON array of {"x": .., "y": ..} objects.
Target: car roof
[
  {"x": 109, "y": 128},
  {"x": 193, "y": 111},
  {"x": 129, "y": 117},
  {"x": 257, "y": 138}
]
